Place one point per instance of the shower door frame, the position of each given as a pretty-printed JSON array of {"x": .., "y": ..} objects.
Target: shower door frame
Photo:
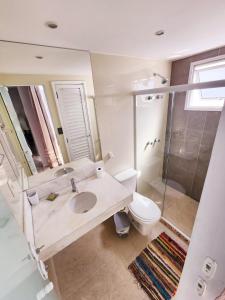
[{"x": 170, "y": 90}]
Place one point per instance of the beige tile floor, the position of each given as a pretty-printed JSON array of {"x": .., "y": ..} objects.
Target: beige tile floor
[
  {"x": 179, "y": 209},
  {"x": 95, "y": 266}
]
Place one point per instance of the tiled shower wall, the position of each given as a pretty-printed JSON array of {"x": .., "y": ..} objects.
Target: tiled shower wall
[{"x": 192, "y": 135}]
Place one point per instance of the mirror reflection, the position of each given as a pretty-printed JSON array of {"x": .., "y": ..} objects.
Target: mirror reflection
[{"x": 47, "y": 106}]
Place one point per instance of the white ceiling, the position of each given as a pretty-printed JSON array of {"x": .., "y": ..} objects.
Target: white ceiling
[
  {"x": 123, "y": 27},
  {"x": 21, "y": 59}
]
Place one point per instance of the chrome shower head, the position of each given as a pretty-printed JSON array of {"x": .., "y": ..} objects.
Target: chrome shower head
[{"x": 163, "y": 79}]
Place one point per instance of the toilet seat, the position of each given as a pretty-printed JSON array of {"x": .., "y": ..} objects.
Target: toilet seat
[{"x": 144, "y": 209}]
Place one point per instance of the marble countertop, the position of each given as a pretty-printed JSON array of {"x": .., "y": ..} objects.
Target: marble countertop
[{"x": 56, "y": 225}]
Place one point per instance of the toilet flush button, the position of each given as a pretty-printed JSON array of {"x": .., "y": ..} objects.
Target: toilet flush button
[
  {"x": 209, "y": 267},
  {"x": 201, "y": 286}
]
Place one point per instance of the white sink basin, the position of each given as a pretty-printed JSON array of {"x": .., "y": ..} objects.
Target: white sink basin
[
  {"x": 83, "y": 202},
  {"x": 63, "y": 171}
]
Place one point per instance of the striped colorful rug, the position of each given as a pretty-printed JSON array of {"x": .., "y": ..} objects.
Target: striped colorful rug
[{"x": 158, "y": 268}]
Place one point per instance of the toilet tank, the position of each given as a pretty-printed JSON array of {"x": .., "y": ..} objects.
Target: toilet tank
[{"x": 128, "y": 178}]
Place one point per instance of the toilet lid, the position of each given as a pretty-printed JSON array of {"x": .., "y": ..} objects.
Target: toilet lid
[{"x": 144, "y": 208}]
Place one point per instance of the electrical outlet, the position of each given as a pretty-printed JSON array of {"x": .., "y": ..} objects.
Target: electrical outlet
[
  {"x": 201, "y": 286},
  {"x": 209, "y": 267}
]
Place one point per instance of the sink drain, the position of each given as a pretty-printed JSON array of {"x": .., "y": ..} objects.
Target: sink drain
[{"x": 86, "y": 210}]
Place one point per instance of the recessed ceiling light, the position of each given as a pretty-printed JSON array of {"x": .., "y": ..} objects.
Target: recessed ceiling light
[
  {"x": 51, "y": 25},
  {"x": 160, "y": 32},
  {"x": 39, "y": 57}
]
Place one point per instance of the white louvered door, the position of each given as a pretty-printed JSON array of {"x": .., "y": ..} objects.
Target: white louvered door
[{"x": 73, "y": 113}]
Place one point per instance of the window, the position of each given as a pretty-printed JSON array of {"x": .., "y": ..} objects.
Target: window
[{"x": 206, "y": 99}]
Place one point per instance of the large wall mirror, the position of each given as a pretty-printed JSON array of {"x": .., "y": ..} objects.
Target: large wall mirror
[{"x": 47, "y": 105}]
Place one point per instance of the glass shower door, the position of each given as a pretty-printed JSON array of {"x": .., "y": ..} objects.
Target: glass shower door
[
  {"x": 19, "y": 276},
  {"x": 150, "y": 128},
  {"x": 190, "y": 139},
  {"x": 174, "y": 138}
]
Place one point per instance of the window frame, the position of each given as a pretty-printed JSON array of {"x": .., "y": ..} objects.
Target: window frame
[{"x": 188, "y": 105}]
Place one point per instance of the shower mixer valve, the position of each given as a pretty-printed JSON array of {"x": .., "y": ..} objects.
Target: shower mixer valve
[
  {"x": 151, "y": 143},
  {"x": 156, "y": 141}
]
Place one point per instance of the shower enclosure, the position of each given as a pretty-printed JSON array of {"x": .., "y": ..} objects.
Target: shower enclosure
[{"x": 173, "y": 146}]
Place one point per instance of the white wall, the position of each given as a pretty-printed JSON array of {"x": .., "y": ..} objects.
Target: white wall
[
  {"x": 115, "y": 77},
  {"x": 208, "y": 237}
]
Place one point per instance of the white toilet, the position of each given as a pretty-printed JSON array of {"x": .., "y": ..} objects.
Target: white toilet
[{"x": 143, "y": 212}]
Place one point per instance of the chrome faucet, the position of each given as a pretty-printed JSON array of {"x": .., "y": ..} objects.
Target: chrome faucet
[{"x": 74, "y": 186}]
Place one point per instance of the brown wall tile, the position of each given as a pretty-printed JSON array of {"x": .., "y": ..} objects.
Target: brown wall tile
[{"x": 193, "y": 134}]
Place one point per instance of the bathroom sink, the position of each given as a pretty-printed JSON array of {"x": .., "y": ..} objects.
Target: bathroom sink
[
  {"x": 63, "y": 171},
  {"x": 83, "y": 202}
]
